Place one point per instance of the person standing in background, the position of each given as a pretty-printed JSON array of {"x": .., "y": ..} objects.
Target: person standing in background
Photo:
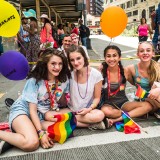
[
  {"x": 34, "y": 47},
  {"x": 61, "y": 34},
  {"x": 74, "y": 29},
  {"x": 143, "y": 30},
  {"x": 155, "y": 23},
  {"x": 83, "y": 33},
  {"x": 23, "y": 36},
  {"x": 46, "y": 31}
]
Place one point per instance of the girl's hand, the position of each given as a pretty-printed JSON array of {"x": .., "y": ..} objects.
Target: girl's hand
[
  {"x": 154, "y": 93},
  {"x": 84, "y": 111},
  {"x": 45, "y": 141}
]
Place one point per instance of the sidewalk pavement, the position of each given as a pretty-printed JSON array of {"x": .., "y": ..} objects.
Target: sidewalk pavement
[{"x": 126, "y": 41}]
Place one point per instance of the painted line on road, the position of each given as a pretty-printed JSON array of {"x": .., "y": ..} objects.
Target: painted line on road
[
  {"x": 129, "y": 51},
  {"x": 95, "y": 51},
  {"x": 95, "y": 139},
  {"x": 130, "y": 57},
  {"x": 1, "y": 95}
]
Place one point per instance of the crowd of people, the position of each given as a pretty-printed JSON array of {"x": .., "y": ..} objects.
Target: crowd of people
[
  {"x": 66, "y": 68},
  {"x": 32, "y": 38}
]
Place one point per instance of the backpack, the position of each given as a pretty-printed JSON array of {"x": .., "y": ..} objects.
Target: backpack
[{"x": 87, "y": 32}]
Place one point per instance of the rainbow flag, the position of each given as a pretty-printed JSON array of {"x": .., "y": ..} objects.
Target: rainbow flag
[
  {"x": 63, "y": 128},
  {"x": 141, "y": 93},
  {"x": 128, "y": 125}
]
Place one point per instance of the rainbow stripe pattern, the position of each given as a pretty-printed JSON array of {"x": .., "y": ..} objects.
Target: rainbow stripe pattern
[
  {"x": 128, "y": 125},
  {"x": 141, "y": 93},
  {"x": 63, "y": 128}
]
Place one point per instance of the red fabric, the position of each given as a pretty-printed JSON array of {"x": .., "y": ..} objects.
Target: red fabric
[
  {"x": 55, "y": 45},
  {"x": 131, "y": 129},
  {"x": 43, "y": 36},
  {"x": 75, "y": 30},
  {"x": 5, "y": 126}
]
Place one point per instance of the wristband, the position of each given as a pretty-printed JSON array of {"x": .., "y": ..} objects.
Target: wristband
[
  {"x": 40, "y": 137},
  {"x": 94, "y": 106}
]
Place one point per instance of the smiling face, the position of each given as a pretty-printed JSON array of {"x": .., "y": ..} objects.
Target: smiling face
[
  {"x": 112, "y": 57},
  {"x": 74, "y": 40},
  {"x": 76, "y": 60},
  {"x": 66, "y": 42},
  {"x": 54, "y": 65},
  {"x": 145, "y": 52}
]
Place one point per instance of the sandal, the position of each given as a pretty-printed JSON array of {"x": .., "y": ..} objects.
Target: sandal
[{"x": 107, "y": 123}]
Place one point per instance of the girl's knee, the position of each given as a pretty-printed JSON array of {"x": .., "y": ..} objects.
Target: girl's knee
[
  {"x": 98, "y": 117},
  {"x": 31, "y": 144},
  {"x": 107, "y": 112}
]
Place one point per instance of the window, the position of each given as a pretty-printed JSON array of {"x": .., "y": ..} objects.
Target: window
[
  {"x": 89, "y": 23},
  {"x": 129, "y": 4},
  {"x": 144, "y": 13},
  {"x": 129, "y": 14},
  {"x": 97, "y": 23},
  {"x": 123, "y": 6},
  {"x": 135, "y": 13},
  {"x": 135, "y": 2}
]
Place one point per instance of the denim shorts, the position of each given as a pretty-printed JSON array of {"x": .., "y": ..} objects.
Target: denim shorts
[{"x": 20, "y": 107}]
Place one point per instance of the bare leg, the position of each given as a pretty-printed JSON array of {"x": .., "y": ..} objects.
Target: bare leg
[
  {"x": 82, "y": 121},
  {"x": 25, "y": 138},
  {"x": 141, "y": 109},
  {"x": 110, "y": 111}
]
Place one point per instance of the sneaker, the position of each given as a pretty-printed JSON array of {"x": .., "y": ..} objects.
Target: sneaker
[
  {"x": 99, "y": 125},
  {"x": 4, "y": 146},
  {"x": 9, "y": 102}
]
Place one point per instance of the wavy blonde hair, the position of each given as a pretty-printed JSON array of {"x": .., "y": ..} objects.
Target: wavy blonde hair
[{"x": 154, "y": 68}]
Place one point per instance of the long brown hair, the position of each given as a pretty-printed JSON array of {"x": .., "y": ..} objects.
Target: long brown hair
[{"x": 40, "y": 72}]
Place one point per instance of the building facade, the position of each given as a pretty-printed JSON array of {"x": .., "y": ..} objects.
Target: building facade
[
  {"x": 94, "y": 7},
  {"x": 135, "y": 9}
]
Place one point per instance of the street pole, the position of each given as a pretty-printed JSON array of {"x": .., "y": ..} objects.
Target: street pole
[{"x": 85, "y": 12}]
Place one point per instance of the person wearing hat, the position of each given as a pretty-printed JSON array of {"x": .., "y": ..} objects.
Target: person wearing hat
[
  {"x": 23, "y": 36},
  {"x": 46, "y": 31},
  {"x": 34, "y": 47},
  {"x": 75, "y": 41}
]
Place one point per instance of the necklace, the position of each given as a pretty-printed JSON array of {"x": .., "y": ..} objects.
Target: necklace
[
  {"x": 109, "y": 84},
  {"x": 86, "y": 86},
  {"x": 52, "y": 97}
]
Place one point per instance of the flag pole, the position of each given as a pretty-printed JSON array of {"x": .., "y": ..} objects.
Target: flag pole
[{"x": 130, "y": 118}]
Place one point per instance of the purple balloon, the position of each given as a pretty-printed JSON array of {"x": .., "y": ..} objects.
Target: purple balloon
[{"x": 14, "y": 65}]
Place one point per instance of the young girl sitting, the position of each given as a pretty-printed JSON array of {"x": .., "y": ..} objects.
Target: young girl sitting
[{"x": 44, "y": 88}]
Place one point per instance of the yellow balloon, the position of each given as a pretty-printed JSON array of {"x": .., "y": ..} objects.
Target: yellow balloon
[
  {"x": 113, "y": 21},
  {"x": 9, "y": 19}
]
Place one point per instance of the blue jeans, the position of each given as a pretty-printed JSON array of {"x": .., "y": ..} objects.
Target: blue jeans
[{"x": 84, "y": 41}]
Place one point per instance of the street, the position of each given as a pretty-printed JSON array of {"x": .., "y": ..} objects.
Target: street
[{"x": 93, "y": 145}]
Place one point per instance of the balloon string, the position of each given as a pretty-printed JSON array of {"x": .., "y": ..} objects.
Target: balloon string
[{"x": 110, "y": 41}]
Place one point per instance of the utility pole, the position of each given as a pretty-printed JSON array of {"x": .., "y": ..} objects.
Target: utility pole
[{"x": 85, "y": 12}]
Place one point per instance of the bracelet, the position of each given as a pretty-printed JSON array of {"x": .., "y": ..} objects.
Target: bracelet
[
  {"x": 39, "y": 131},
  {"x": 94, "y": 106},
  {"x": 40, "y": 137}
]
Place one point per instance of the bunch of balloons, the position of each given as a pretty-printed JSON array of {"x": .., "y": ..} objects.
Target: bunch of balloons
[{"x": 13, "y": 65}]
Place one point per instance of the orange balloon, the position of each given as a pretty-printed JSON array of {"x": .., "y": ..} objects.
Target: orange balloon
[{"x": 113, "y": 21}]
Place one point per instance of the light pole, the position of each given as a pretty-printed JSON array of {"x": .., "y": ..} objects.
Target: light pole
[{"x": 85, "y": 12}]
